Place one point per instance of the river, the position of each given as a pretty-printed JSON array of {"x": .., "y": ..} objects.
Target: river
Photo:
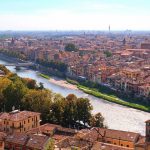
[{"x": 116, "y": 116}]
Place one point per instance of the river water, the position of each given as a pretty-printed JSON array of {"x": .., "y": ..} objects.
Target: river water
[{"x": 116, "y": 116}]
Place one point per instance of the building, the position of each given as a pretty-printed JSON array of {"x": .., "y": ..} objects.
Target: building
[
  {"x": 145, "y": 45},
  {"x": 2, "y": 138},
  {"x": 19, "y": 121},
  {"x": 25, "y": 141}
]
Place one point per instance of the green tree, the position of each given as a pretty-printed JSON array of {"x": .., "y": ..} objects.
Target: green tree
[
  {"x": 84, "y": 109},
  {"x": 14, "y": 93},
  {"x": 108, "y": 53},
  {"x": 3, "y": 68},
  {"x": 70, "y": 47},
  {"x": 69, "y": 114},
  {"x": 50, "y": 145},
  {"x": 4, "y": 83},
  {"x": 39, "y": 101},
  {"x": 57, "y": 109},
  {"x": 41, "y": 86}
]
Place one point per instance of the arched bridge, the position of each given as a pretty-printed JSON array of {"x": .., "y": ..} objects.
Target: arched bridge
[{"x": 28, "y": 64}]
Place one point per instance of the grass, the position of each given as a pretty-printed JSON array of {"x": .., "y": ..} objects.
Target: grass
[
  {"x": 114, "y": 99},
  {"x": 44, "y": 76},
  {"x": 72, "y": 81}
]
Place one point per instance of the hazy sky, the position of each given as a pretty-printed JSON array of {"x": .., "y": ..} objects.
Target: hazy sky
[{"x": 74, "y": 14}]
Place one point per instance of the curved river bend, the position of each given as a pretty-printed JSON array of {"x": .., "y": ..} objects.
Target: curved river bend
[{"x": 116, "y": 116}]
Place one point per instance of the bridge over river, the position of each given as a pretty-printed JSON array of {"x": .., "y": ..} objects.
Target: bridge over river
[{"x": 26, "y": 64}]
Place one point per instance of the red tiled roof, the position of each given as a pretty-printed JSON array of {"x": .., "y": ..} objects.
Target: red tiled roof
[{"x": 18, "y": 115}]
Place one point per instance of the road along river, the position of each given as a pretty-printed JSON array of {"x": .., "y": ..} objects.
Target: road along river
[{"x": 116, "y": 116}]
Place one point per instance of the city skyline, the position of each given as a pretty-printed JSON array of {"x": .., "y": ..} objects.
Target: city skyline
[{"x": 74, "y": 15}]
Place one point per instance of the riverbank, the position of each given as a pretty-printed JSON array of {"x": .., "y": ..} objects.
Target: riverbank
[
  {"x": 108, "y": 97},
  {"x": 44, "y": 76},
  {"x": 74, "y": 85},
  {"x": 113, "y": 99},
  {"x": 63, "y": 83}
]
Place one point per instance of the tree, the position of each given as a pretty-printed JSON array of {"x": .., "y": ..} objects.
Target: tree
[
  {"x": 30, "y": 83},
  {"x": 70, "y": 47},
  {"x": 57, "y": 109},
  {"x": 14, "y": 93},
  {"x": 3, "y": 68},
  {"x": 84, "y": 109},
  {"x": 50, "y": 145},
  {"x": 41, "y": 86},
  {"x": 108, "y": 53},
  {"x": 60, "y": 66},
  {"x": 97, "y": 121},
  {"x": 70, "y": 111},
  {"x": 4, "y": 83},
  {"x": 39, "y": 101}
]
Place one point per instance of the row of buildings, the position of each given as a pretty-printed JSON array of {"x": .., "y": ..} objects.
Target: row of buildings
[
  {"x": 21, "y": 130},
  {"x": 127, "y": 68}
]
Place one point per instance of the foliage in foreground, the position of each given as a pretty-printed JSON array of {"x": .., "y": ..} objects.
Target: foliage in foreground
[{"x": 25, "y": 94}]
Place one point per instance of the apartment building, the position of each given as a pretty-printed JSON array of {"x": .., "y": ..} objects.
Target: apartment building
[{"x": 19, "y": 121}]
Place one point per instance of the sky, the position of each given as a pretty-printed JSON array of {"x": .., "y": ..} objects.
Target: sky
[{"x": 74, "y": 14}]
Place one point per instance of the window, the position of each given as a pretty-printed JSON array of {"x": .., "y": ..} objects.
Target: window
[
  {"x": 24, "y": 122},
  {"x": 24, "y": 129},
  {"x": 4, "y": 122},
  {"x": 28, "y": 120},
  {"x": 114, "y": 143},
  {"x": 121, "y": 144},
  {"x": 127, "y": 145},
  {"x": 20, "y": 124}
]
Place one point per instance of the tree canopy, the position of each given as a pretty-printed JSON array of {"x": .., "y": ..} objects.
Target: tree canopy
[
  {"x": 70, "y": 47},
  {"x": 25, "y": 94}
]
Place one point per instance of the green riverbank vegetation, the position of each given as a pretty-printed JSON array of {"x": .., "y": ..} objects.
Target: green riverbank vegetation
[{"x": 26, "y": 94}]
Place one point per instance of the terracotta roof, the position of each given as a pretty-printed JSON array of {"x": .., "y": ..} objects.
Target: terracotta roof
[
  {"x": 141, "y": 141},
  {"x": 17, "y": 138},
  {"x": 37, "y": 141},
  {"x": 148, "y": 121},
  {"x": 18, "y": 115},
  {"x": 72, "y": 142},
  {"x": 114, "y": 134},
  {"x": 106, "y": 146},
  {"x": 2, "y": 136}
]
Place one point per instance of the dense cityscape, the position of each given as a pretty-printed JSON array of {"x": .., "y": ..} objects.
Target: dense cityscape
[
  {"x": 117, "y": 60},
  {"x": 113, "y": 66},
  {"x": 74, "y": 75}
]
